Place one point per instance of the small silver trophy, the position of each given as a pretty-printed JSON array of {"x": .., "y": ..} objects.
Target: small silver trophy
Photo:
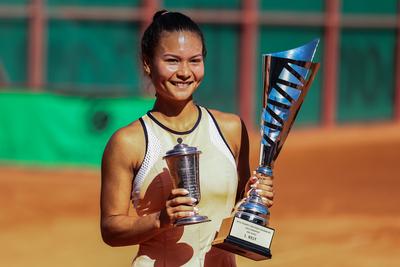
[
  {"x": 183, "y": 165},
  {"x": 287, "y": 76}
]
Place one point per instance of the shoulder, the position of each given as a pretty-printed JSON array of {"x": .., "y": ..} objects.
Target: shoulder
[
  {"x": 128, "y": 135},
  {"x": 227, "y": 121},
  {"x": 127, "y": 144},
  {"x": 231, "y": 128}
]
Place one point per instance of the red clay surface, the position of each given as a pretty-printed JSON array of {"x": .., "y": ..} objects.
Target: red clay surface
[{"x": 337, "y": 204}]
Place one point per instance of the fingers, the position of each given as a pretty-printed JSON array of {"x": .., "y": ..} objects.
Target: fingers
[
  {"x": 180, "y": 205},
  {"x": 263, "y": 178},
  {"x": 264, "y": 188},
  {"x": 267, "y": 200},
  {"x": 266, "y": 192},
  {"x": 252, "y": 180},
  {"x": 179, "y": 192},
  {"x": 181, "y": 212},
  {"x": 263, "y": 181},
  {"x": 180, "y": 201}
]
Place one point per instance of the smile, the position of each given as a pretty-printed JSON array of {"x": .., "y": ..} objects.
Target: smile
[{"x": 181, "y": 84}]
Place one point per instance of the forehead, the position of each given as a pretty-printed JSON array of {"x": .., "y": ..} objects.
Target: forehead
[{"x": 180, "y": 42}]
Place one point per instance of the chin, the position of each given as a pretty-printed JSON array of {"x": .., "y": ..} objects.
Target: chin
[
  {"x": 183, "y": 96},
  {"x": 182, "y": 99},
  {"x": 178, "y": 95}
]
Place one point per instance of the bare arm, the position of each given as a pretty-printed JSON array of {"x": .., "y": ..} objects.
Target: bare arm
[{"x": 122, "y": 158}]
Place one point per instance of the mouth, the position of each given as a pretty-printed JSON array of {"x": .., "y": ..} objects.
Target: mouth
[{"x": 181, "y": 85}]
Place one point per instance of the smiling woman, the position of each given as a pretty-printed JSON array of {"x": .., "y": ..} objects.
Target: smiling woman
[
  {"x": 177, "y": 68},
  {"x": 133, "y": 169}
]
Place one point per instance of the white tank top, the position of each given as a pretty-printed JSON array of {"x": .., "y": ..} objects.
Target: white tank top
[{"x": 188, "y": 245}]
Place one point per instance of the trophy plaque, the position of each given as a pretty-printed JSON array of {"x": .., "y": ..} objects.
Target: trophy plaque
[
  {"x": 183, "y": 165},
  {"x": 287, "y": 76}
]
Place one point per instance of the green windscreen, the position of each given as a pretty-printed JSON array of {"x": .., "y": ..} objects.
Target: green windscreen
[
  {"x": 366, "y": 82},
  {"x": 15, "y": 2},
  {"x": 13, "y": 51},
  {"x": 193, "y": 4},
  {"x": 84, "y": 56},
  {"x": 113, "y": 3},
  {"x": 220, "y": 85},
  {"x": 290, "y": 5},
  {"x": 369, "y": 6},
  {"x": 51, "y": 129}
]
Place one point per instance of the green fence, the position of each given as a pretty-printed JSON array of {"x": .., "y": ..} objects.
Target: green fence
[
  {"x": 366, "y": 85},
  {"x": 53, "y": 129}
]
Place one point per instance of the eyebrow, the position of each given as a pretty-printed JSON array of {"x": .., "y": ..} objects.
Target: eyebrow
[
  {"x": 177, "y": 56},
  {"x": 198, "y": 55}
]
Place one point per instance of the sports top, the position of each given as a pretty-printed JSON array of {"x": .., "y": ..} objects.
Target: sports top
[{"x": 187, "y": 245}]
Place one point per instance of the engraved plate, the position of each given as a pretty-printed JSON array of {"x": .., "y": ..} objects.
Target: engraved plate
[{"x": 251, "y": 232}]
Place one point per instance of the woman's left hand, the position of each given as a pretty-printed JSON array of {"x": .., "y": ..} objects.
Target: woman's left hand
[{"x": 264, "y": 187}]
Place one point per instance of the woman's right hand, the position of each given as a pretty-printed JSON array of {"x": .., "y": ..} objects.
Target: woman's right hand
[{"x": 178, "y": 206}]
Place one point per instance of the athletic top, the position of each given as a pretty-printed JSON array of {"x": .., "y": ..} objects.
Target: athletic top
[{"x": 186, "y": 245}]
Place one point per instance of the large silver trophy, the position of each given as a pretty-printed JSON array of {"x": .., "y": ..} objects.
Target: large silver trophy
[
  {"x": 183, "y": 165},
  {"x": 287, "y": 76}
]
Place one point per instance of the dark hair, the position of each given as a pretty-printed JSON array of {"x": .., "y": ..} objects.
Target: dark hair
[{"x": 164, "y": 20}]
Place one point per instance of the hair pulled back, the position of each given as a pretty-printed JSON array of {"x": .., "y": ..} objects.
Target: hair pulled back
[{"x": 165, "y": 21}]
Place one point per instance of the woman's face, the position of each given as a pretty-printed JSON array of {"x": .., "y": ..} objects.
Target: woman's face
[{"x": 177, "y": 68}]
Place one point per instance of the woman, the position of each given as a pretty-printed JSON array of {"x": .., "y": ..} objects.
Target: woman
[{"x": 173, "y": 53}]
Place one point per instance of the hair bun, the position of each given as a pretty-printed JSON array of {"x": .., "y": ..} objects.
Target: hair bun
[{"x": 159, "y": 13}]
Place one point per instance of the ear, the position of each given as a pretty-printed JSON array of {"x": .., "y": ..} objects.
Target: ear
[{"x": 146, "y": 68}]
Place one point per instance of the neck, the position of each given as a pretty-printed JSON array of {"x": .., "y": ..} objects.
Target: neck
[
  {"x": 175, "y": 109},
  {"x": 180, "y": 116}
]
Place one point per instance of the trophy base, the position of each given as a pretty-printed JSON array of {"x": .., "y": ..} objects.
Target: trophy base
[
  {"x": 191, "y": 220},
  {"x": 244, "y": 238}
]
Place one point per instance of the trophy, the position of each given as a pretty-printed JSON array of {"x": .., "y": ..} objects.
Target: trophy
[
  {"x": 287, "y": 76},
  {"x": 183, "y": 165}
]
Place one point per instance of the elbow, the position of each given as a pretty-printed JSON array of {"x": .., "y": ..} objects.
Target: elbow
[
  {"x": 115, "y": 238},
  {"x": 117, "y": 234},
  {"x": 111, "y": 243},
  {"x": 108, "y": 238}
]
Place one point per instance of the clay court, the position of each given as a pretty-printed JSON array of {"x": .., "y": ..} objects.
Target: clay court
[{"x": 337, "y": 204}]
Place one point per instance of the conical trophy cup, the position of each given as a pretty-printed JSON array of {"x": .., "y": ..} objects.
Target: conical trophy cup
[{"x": 287, "y": 77}]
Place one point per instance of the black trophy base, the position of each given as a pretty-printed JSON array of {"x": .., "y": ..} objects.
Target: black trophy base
[
  {"x": 240, "y": 237},
  {"x": 191, "y": 220}
]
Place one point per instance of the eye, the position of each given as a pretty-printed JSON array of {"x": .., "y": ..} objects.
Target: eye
[
  {"x": 172, "y": 60},
  {"x": 196, "y": 60}
]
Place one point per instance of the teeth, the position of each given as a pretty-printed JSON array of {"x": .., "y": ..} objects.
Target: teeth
[{"x": 181, "y": 85}]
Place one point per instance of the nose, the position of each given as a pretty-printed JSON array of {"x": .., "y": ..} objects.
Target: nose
[{"x": 184, "y": 71}]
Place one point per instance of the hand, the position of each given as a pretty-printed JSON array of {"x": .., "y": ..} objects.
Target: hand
[
  {"x": 264, "y": 187},
  {"x": 178, "y": 206}
]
